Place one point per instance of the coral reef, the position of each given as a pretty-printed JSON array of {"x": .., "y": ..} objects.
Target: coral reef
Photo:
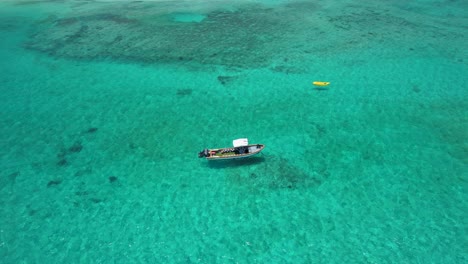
[
  {"x": 251, "y": 36},
  {"x": 272, "y": 173}
]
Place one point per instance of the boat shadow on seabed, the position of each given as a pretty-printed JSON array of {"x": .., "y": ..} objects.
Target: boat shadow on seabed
[{"x": 222, "y": 164}]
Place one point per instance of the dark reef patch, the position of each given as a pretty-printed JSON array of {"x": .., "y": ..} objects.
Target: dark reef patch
[
  {"x": 53, "y": 183},
  {"x": 184, "y": 92},
  {"x": 224, "y": 80},
  {"x": 12, "y": 176},
  {"x": 288, "y": 69},
  {"x": 63, "y": 154},
  {"x": 62, "y": 162},
  {"x": 93, "y": 17},
  {"x": 76, "y": 147},
  {"x": 96, "y": 200},
  {"x": 83, "y": 172},
  {"x": 91, "y": 130},
  {"x": 112, "y": 179},
  {"x": 67, "y": 21},
  {"x": 7, "y": 26},
  {"x": 8, "y": 179},
  {"x": 81, "y": 193}
]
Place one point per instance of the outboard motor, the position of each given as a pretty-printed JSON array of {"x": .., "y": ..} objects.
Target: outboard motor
[{"x": 203, "y": 153}]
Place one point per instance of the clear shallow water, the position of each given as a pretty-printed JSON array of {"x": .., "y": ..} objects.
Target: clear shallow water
[{"x": 105, "y": 106}]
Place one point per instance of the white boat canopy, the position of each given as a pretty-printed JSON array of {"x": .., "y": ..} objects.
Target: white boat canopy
[{"x": 240, "y": 142}]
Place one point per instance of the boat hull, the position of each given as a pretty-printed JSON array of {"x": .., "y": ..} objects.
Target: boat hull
[{"x": 232, "y": 153}]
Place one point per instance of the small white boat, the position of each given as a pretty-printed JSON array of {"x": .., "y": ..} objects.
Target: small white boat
[{"x": 240, "y": 149}]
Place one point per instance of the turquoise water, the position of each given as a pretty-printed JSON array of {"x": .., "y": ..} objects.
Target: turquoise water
[{"x": 105, "y": 105}]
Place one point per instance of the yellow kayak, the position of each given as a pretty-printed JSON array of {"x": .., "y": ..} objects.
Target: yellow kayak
[{"x": 320, "y": 83}]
